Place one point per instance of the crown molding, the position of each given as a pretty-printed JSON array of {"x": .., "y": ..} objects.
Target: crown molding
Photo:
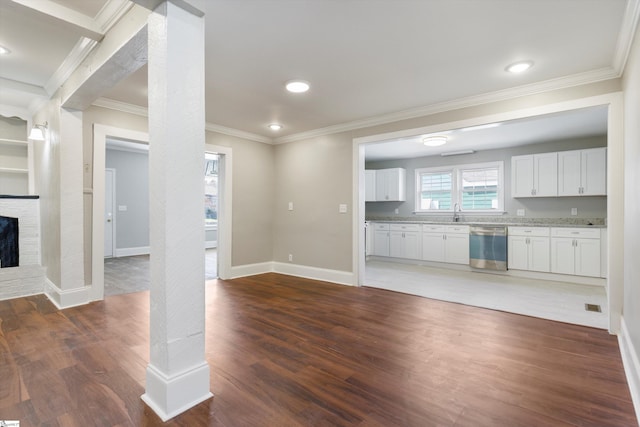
[
  {"x": 471, "y": 101},
  {"x": 111, "y": 13},
  {"x": 238, "y": 133},
  {"x": 80, "y": 51},
  {"x": 143, "y": 111},
  {"x": 626, "y": 34}
]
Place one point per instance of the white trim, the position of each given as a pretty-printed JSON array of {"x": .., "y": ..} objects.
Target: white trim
[
  {"x": 124, "y": 107},
  {"x": 79, "y": 53},
  {"x": 315, "y": 273},
  {"x": 211, "y": 127},
  {"x": 113, "y": 208},
  {"x": 142, "y": 250},
  {"x": 250, "y": 269},
  {"x": 631, "y": 363},
  {"x": 626, "y": 34},
  {"x": 66, "y": 298},
  {"x": 614, "y": 199},
  {"x": 171, "y": 396},
  {"x": 210, "y": 244}
]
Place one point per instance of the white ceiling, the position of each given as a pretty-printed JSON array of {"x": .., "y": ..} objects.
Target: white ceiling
[{"x": 368, "y": 61}]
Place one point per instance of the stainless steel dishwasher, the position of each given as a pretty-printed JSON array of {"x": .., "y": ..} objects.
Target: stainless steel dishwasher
[{"x": 488, "y": 247}]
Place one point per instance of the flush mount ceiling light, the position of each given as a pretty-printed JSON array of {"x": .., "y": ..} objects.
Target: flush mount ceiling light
[
  {"x": 275, "y": 126},
  {"x": 297, "y": 86},
  {"x": 4, "y": 50},
  {"x": 37, "y": 132},
  {"x": 519, "y": 67},
  {"x": 434, "y": 141}
]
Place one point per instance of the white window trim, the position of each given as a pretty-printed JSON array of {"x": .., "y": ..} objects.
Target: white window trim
[{"x": 455, "y": 190}]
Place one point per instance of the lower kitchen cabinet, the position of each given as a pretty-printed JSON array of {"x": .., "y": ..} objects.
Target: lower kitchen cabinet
[
  {"x": 529, "y": 249},
  {"x": 445, "y": 243},
  {"x": 404, "y": 241},
  {"x": 576, "y": 251},
  {"x": 380, "y": 239}
]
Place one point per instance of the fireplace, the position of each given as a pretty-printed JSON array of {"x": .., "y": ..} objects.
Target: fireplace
[{"x": 9, "y": 247}]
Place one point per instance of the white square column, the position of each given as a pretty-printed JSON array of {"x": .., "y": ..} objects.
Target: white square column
[{"x": 178, "y": 374}]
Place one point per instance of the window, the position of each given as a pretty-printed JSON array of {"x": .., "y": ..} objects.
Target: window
[
  {"x": 210, "y": 189},
  {"x": 474, "y": 188}
]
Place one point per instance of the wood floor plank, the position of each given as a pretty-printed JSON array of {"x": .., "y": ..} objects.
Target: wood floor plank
[{"x": 286, "y": 351}]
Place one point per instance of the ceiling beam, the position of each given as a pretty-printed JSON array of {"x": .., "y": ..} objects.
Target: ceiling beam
[{"x": 84, "y": 25}]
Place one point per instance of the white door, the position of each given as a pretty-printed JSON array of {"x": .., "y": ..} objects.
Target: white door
[
  {"x": 109, "y": 203},
  {"x": 518, "y": 253},
  {"x": 456, "y": 248},
  {"x": 563, "y": 255},
  {"x": 539, "y": 254},
  {"x": 381, "y": 243},
  {"x": 588, "y": 257}
]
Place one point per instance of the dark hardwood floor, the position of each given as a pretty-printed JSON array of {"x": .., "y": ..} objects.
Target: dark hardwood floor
[{"x": 286, "y": 351}]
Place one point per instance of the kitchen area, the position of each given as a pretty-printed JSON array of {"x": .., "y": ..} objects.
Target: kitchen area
[{"x": 508, "y": 216}]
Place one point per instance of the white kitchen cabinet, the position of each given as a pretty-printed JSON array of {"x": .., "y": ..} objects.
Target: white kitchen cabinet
[
  {"x": 380, "y": 239},
  {"x": 404, "y": 241},
  {"x": 534, "y": 175},
  {"x": 529, "y": 248},
  {"x": 582, "y": 172},
  {"x": 370, "y": 185},
  {"x": 576, "y": 251},
  {"x": 445, "y": 243},
  {"x": 391, "y": 185}
]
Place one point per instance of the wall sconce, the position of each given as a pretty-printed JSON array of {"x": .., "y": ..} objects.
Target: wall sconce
[{"x": 37, "y": 132}]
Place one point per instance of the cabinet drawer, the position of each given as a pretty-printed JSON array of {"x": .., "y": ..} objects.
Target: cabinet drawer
[
  {"x": 433, "y": 228},
  {"x": 380, "y": 226},
  {"x": 457, "y": 229},
  {"x": 529, "y": 231},
  {"x": 405, "y": 227},
  {"x": 583, "y": 233}
]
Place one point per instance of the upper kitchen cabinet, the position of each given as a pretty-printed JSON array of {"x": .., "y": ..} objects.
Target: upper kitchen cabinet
[
  {"x": 389, "y": 185},
  {"x": 534, "y": 175},
  {"x": 582, "y": 172},
  {"x": 370, "y": 185}
]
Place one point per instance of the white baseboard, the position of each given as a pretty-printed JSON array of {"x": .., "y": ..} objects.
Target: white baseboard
[
  {"x": 326, "y": 275},
  {"x": 323, "y": 274},
  {"x": 251, "y": 269},
  {"x": 142, "y": 250},
  {"x": 171, "y": 396},
  {"x": 631, "y": 362},
  {"x": 66, "y": 298}
]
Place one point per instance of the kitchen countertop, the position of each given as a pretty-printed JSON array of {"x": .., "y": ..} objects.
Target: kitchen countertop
[{"x": 514, "y": 222}]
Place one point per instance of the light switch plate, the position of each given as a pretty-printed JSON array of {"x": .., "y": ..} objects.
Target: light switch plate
[
  {"x": 290, "y": 206},
  {"x": 342, "y": 208},
  {"x": 122, "y": 208},
  {"x": 520, "y": 212}
]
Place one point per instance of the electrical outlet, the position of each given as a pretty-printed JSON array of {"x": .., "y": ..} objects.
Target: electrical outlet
[
  {"x": 342, "y": 208},
  {"x": 397, "y": 211},
  {"x": 290, "y": 257},
  {"x": 290, "y": 206},
  {"x": 574, "y": 211},
  {"x": 520, "y": 212}
]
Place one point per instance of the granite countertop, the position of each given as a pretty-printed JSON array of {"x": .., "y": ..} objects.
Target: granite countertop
[{"x": 509, "y": 221}]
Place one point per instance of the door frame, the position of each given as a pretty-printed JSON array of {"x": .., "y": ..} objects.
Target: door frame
[
  {"x": 100, "y": 135},
  {"x": 113, "y": 209}
]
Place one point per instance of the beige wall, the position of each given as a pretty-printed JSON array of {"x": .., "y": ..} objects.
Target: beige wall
[
  {"x": 315, "y": 175},
  {"x": 253, "y": 198},
  {"x": 631, "y": 84}
]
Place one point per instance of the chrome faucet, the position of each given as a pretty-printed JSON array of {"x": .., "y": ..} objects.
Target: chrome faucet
[{"x": 456, "y": 210}]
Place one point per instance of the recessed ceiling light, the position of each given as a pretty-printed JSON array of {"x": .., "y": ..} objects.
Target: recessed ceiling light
[
  {"x": 434, "y": 141},
  {"x": 275, "y": 126},
  {"x": 519, "y": 67},
  {"x": 4, "y": 50},
  {"x": 297, "y": 86}
]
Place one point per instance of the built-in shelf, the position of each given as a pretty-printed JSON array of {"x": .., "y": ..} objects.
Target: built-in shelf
[
  {"x": 18, "y": 142},
  {"x": 13, "y": 170}
]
